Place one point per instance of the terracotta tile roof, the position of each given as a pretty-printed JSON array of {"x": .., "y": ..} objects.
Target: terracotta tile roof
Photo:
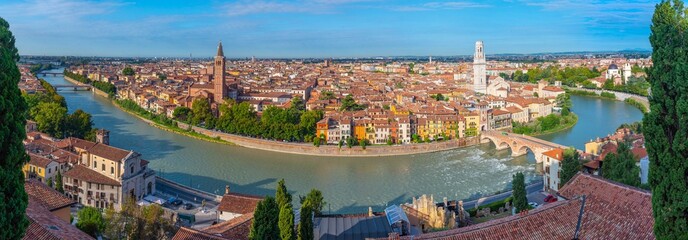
[
  {"x": 185, "y": 233},
  {"x": 46, "y": 196},
  {"x": 556, "y": 153},
  {"x": 80, "y": 143},
  {"x": 551, "y": 221},
  {"x": 109, "y": 152},
  {"x": 39, "y": 161},
  {"x": 237, "y": 228},
  {"x": 238, "y": 203},
  {"x": 85, "y": 174},
  {"x": 612, "y": 210},
  {"x": 46, "y": 226}
]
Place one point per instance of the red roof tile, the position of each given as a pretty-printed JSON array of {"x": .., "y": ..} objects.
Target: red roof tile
[
  {"x": 46, "y": 226},
  {"x": 85, "y": 174},
  {"x": 46, "y": 196},
  {"x": 238, "y": 203}
]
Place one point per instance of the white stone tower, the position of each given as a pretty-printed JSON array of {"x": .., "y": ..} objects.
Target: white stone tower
[
  {"x": 479, "y": 69},
  {"x": 626, "y": 72}
]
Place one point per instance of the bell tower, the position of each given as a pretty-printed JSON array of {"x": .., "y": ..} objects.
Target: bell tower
[
  {"x": 479, "y": 69},
  {"x": 219, "y": 90}
]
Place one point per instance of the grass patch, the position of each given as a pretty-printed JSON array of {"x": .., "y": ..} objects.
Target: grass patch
[{"x": 637, "y": 104}]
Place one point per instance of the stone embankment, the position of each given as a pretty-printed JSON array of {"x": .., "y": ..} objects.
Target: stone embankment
[
  {"x": 332, "y": 150},
  {"x": 621, "y": 96},
  {"x": 93, "y": 89}
]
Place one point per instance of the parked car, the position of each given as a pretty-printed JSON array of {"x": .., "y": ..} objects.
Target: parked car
[
  {"x": 533, "y": 204},
  {"x": 550, "y": 199},
  {"x": 188, "y": 206},
  {"x": 177, "y": 202}
]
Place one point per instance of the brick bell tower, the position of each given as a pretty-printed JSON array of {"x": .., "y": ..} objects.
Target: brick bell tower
[{"x": 219, "y": 91}]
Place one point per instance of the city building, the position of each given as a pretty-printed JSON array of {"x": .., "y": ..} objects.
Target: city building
[
  {"x": 479, "y": 69},
  {"x": 552, "y": 165}
]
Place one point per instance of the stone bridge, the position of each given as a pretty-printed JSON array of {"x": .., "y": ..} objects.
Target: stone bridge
[{"x": 519, "y": 144}]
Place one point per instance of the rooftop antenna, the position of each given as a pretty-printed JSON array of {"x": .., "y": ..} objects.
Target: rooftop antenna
[{"x": 580, "y": 218}]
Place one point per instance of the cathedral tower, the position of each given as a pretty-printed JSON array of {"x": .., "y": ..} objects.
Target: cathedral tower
[
  {"x": 627, "y": 72},
  {"x": 479, "y": 69},
  {"x": 219, "y": 90}
]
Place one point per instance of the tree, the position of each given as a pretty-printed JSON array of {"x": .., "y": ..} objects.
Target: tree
[
  {"x": 136, "y": 222},
  {"x": 620, "y": 166},
  {"x": 181, "y": 113},
  {"x": 315, "y": 200},
  {"x": 50, "y": 182},
  {"x": 58, "y": 182},
  {"x": 286, "y": 222},
  {"x": 570, "y": 166},
  {"x": 128, "y": 71},
  {"x": 265, "y": 220},
  {"x": 350, "y": 142},
  {"x": 519, "y": 192},
  {"x": 50, "y": 118},
  {"x": 90, "y": 221},
  {"x": 363, "y": 143},
  {"x": 13, "y": 198},
  {"x": 298, "y": 104},
  {"x": 306, "y": 222},
  {"x": 349, "y": 104},
  {"x": 201, "y": 113},
  {"x": 282, "y": 196},
  {"x": 79, "y": 124},
  {"x": 665, "y": 126}
]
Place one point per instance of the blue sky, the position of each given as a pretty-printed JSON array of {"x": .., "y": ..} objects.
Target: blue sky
[{"x": 324, "y": 28}]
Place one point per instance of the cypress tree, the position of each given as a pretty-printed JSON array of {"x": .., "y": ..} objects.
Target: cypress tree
[
  {"x": 519, "y": 192},
  {"x": 282, "y": 196},
  {"x": 286, "y": 222},
  {"x": 306, "y": 222},
  {"x": 58, "y": 182},
  {"x": 570, "y": 166},
  {"x": 666, "y": 125},
  {"x": 13, "y": 198},
  {"x": 265, "y": 220}
]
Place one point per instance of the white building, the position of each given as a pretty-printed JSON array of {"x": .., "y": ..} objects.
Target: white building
[
  {"x": 626, "y": 72},
  {"x": 551, "y": 165},
  {"x": 479, "y": 69}
]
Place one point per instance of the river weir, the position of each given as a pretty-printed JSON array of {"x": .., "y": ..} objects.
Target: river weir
[{"x": 348, "y": 184}]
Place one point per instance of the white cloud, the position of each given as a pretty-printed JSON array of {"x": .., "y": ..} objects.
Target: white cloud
[
  {"x": 60, "y": 9},
  {"x": 428, "y": 6}
]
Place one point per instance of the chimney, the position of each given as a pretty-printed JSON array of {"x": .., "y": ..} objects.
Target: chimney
[
  {"x": 103, "y": 136},
  {"x": 226, "y": 189}
]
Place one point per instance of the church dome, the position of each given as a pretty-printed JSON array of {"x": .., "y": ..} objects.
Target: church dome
[{"x": 613, "y": 66}]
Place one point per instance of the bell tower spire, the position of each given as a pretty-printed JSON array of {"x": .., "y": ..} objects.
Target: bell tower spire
[{"x": 219, "y": 91}]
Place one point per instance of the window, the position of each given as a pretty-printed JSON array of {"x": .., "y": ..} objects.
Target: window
[
  {"x": 112, "y": 170},
  {"x": 132, "y": 169},
  {"x": 103, "y": 167},
  {"x": 95, "y": 165}
]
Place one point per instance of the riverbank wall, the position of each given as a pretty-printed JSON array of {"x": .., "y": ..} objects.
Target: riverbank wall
[
  {"x": 332, "y": 150},
  {"x": 620, "y": 96},
  {"x": 93, "y": 89}
]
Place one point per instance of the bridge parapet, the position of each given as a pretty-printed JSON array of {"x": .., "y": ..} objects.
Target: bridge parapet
[{"x": 519, "y": 144}]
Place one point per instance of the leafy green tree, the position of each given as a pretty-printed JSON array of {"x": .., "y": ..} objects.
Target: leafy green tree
[
  {"x": 58, "y": 182},
  {"x": 306, "y": 222},
  {"x": 665, "y": 127},
  {"x": 50, "y": 118},
  {"x": 350, "y": 142},
  {"x": 564, "y": 102},
  {"x": 316, "y": 201},
  {"x": 282, "y": 196},
  {"x": 298, "y": 104},
  {"x": 50, "y": 182},
  {"x": 286, "y": 222},
  {"x": 621, "y": 167},
  {"x": 181, "y": 113},
  {"x": 128, "y": 71},
  {"x": 201, "y": 113},
  {"x": 519, "y": 193},
  {"x": 265, "y": 220},
  {"x": 90, "y": 221},
  {"x": 570, "y": 166},
  {"x": 349, "y": 104},
  {"x": 13, "y": 198},
  {"x": 326, "y": 95},
  {"x": 79, "y": 124},
  {"x": 363, "y": 143}
]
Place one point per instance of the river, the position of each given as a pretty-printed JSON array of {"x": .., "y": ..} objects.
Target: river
[{"x": 348, "y": 184}]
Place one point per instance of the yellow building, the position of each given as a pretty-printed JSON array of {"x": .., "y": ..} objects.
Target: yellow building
[
  {"x": 398, "y": 110},
  {"x": 40, "y": 168},
  {"x": 594, "y": 147},
  {"x": 360, "y": 131},
  {"x": 472, "y": 124}
]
